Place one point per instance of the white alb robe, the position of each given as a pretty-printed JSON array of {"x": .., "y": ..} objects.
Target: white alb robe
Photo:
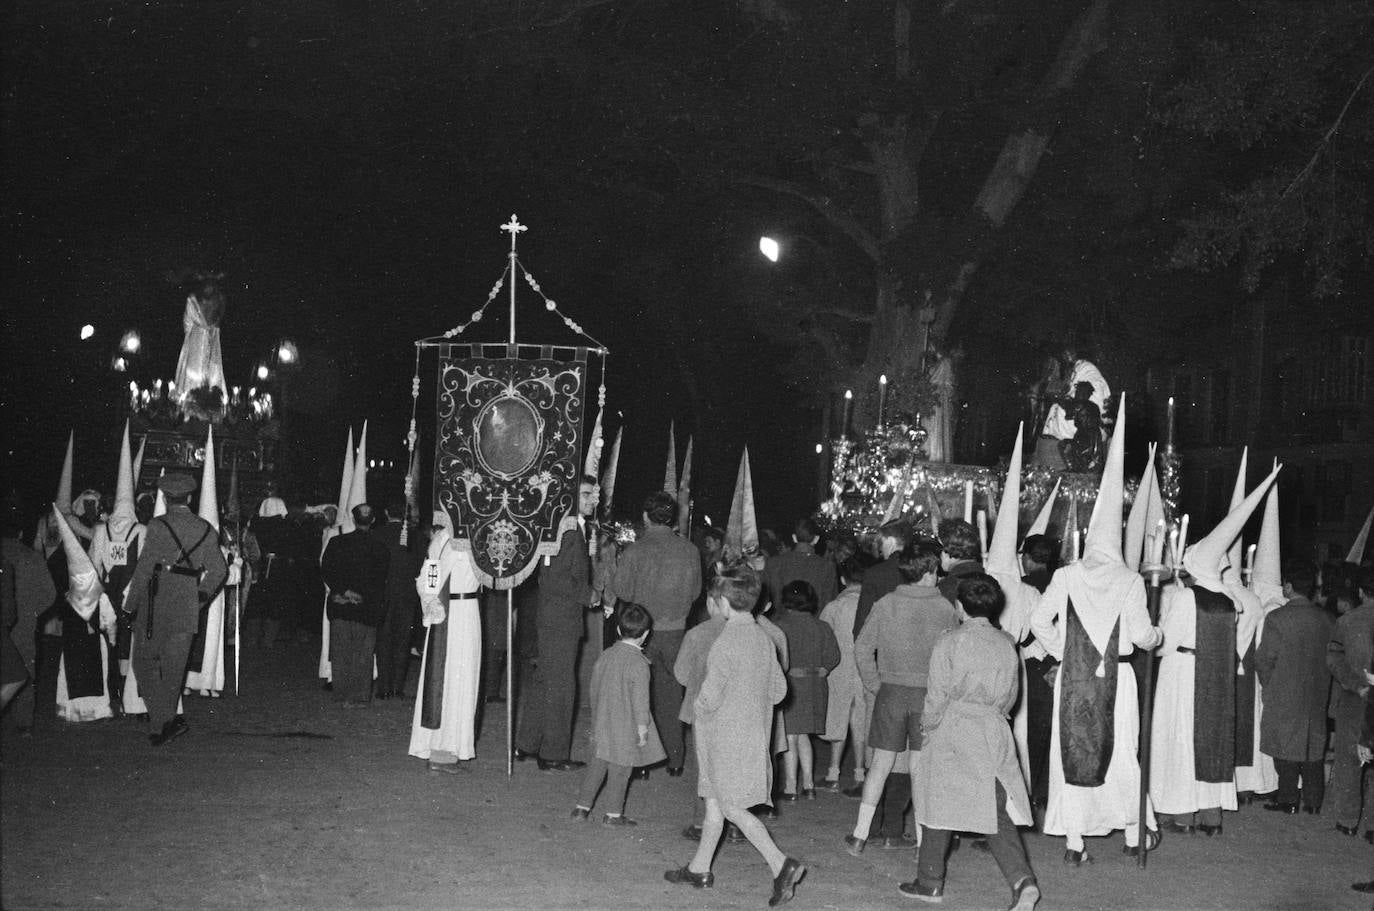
[{"x": 456, "y": 735}]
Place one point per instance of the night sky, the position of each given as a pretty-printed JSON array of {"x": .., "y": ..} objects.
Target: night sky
[{"x": 347, "y": 171}]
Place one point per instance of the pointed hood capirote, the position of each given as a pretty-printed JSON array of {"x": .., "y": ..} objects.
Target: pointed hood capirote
[
  {"x": 1001, "y": 556},
  {"x": 209, "y": 497},
  {"x": 138, "y": 460},
  {"x": 1356, "y": 554},
  {"x": 670, "y": 470},
  {"x": 1042, "y": 518},
  {"x": 1267, "y": 579},
  {"x": 357, "y": 487},
  {"x": 1141, "y": 519},
  {"x": 1102, "y": 545},
  {"x": 83, "y": 582},
  {"x": 684, "y": 494},
  {"x": 742, "y": 531},
  {"x": 1205, "y": 560},
  {"x": 608, "y": 479},
  {"x": 124, "y": 515},
  {"x": 592, "y": 463},
  {"x": 64, "y": 481},
  {"x": 345, "y": 486},
  {"x": 1236, "y": 552}
]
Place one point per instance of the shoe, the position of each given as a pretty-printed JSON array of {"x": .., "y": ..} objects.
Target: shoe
[
  {"x": 579, "y": 813},
  {"x": 383, "y": 694},
  {"x": 1364, "y": 887},
  {"x": 1152, "y": 840},
  {"x": 692, "y": 833},
  {"x": 917, "y": 889},
  {"x": 641, "y": 774},
  {"x": 170, "y": 731},
  {"x": 1311, "y": 810},
  {"x": 560, "y": 765},
  {"x": 675, "y": 771},
  {"x": 856, "y": 791},
  {"x": 1279, "y": 807},
  {"x": 808, "y": 793},
  {"x": 1077, "y": 858},
  {"x": 854, "y": 846},
  {"x": 448, "y": 768},
  {"x": 788, "y": 796},
  {"x": 1369, "y": 836},
  {"x": 686, "y": 877},
  {"x": 785, "y": 883},
  {"x": 1025, "y": 896},
  {"x": 328, "y": 686},
  {"x": 896, "y": 842},
  {"x": 980, "y": 844},
  {"x": 1177, "y": 828},
  {"x": 768, "y": 812},
  {"x": 1347, "y": 830},
  {"x": 734, "y": 834},
  {"x": 828, "y": 784},
  {"x": 621, "y": 820},
  {"x": 521, "y": 755},
  {"x": 1210, "y": 831}
]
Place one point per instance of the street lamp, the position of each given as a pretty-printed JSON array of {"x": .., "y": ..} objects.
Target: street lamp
[
  {"x": 87, "y": 331},
  {"x": 770, "y": 248},
  {"x": 287, "y": 352},
  {"x": 130, "y": 342},
  {"x": 262, "y": 372}
]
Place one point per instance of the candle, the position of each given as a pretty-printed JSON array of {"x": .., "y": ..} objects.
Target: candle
[
  {"x": 844, "y": 413},
  {"x": 1169, "y": 427},
  {"x": 1174, "y": 560},
  {"x": 983, "y": 530},
  {"x": 882, "y": 397},
  {"x": 157, "y": 388},
  {"x": 1078, "y": 546},
  {"x": 1250, "y": 562},
  {"x": 1183, "y": 537},
  {"x": 1157, "y": 544},
  {"x": 968, "y": 501}
]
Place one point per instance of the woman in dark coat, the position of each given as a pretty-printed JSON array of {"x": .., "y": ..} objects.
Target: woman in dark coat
[{"x": 814, "y": 653}]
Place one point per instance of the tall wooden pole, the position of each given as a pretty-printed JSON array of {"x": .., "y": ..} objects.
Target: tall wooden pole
[{"x": 1153, "y": 589}]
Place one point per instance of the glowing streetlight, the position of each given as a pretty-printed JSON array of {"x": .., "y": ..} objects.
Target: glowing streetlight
[
  {"x": 287, "y": 352},
  {"x": 819, "y": 449},
  {"x": 130, "y": 342},
  {"x": 87, "y": 331},
  {"x": 770, "y": 248},
  {"x": 262, "y": 372}
]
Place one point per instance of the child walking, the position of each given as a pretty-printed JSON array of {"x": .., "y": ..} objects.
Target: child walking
[
  {"x": 623, "y": 732},
  {"x": 734, "y": 713}
]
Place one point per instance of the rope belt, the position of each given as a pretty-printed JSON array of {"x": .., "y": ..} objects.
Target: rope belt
[{"x": 464, "y": 596}]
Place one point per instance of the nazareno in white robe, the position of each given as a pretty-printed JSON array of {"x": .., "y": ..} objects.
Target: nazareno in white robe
[
  {"x": 1100, "y": 600},
  {"x": 1262, "y": 777},
  {"x": 1174, "y": 787},
  {"x": 456, "y": 734}
]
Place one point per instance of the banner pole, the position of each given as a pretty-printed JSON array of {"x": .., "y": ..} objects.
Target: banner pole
[
  {"x": 1152, "y": 597},
  {"x": 510, "y": 683}
]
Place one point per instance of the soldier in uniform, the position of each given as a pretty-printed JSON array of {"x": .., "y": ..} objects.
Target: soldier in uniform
[{"x": 178, "y": 572}]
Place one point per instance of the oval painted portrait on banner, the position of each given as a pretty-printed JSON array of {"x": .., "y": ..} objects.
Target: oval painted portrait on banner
[{"x": 508, "y": 435}]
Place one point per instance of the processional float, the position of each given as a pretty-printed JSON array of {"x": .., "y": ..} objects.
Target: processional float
[{"x": 509, "y": 442}]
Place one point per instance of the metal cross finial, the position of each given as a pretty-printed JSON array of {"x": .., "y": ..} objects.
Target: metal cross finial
[{"x": 514, "y": 227}]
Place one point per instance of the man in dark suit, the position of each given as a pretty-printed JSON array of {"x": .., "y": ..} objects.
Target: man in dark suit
[
  {"x": 1291, "y": 665},
  {"x": 354, "y": 566},
  {"x": 402, "y": 604},
  {"x": 881, "y": 578},
  {"x": 564, "y": 590},
  {"x": 180, "y": 567}
]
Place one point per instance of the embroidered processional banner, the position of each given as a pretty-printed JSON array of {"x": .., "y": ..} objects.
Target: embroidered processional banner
[{"x": 506, "y": 461}]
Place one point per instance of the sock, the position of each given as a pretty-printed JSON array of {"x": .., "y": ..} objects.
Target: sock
[
  {"x": 865, "y": 822},
  {"x": 1073, "y": 842},
  {"x": 613, "y": 815},
  {"x": 580, "y": 807}
]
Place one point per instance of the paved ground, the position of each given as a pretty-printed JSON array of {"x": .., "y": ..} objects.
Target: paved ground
[{"x": 278, "y": 799}]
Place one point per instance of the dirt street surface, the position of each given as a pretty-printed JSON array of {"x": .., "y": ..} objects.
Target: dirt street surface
[{"x": 280, "y": 799}]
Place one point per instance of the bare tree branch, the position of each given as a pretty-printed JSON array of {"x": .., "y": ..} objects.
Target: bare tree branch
[{"x": 845, "y": 223}]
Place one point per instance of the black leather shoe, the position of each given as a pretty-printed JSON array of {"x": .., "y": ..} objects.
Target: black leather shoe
[
  {"x": 1365, "y": 887},
  {"x": 1347, "y": 830},
  {"x": 1152, "y": 839},
  {"x": 854, "y": 846},
  {"x": 1369, "y": 836},
  {"x": 734, "y": 834},
  {"x": 808, "y": 793},
  {"x": 855, "y": 791},
  {"x": 560, "y": 765},
  {"x": 788, "y": 796},
  {"x": 675, "y": 771},
  {"x": 1210, "y": 831},
  {"x": 1177, "y": 828},
  {"x": 520, "y": 755},
  {"x": 915, "y": 889},
  {"x": 785, "y": 883},
  {"x": 640, "y": 774},
  {"x": 692, "y": 833},
  {"x": 1311, "y": 810},
  {"x": 579, "y": 813},
  {"x": 1280, "y": 807},
  {"x": 685, "y": 877},
  {"x": 1077, "y": 858}
]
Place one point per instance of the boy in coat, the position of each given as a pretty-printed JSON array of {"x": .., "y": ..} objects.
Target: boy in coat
[
  {"x": 623, "y": 732},
  {"x": 969, "y": 778},
  {"x": 734, "y": 712}
]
